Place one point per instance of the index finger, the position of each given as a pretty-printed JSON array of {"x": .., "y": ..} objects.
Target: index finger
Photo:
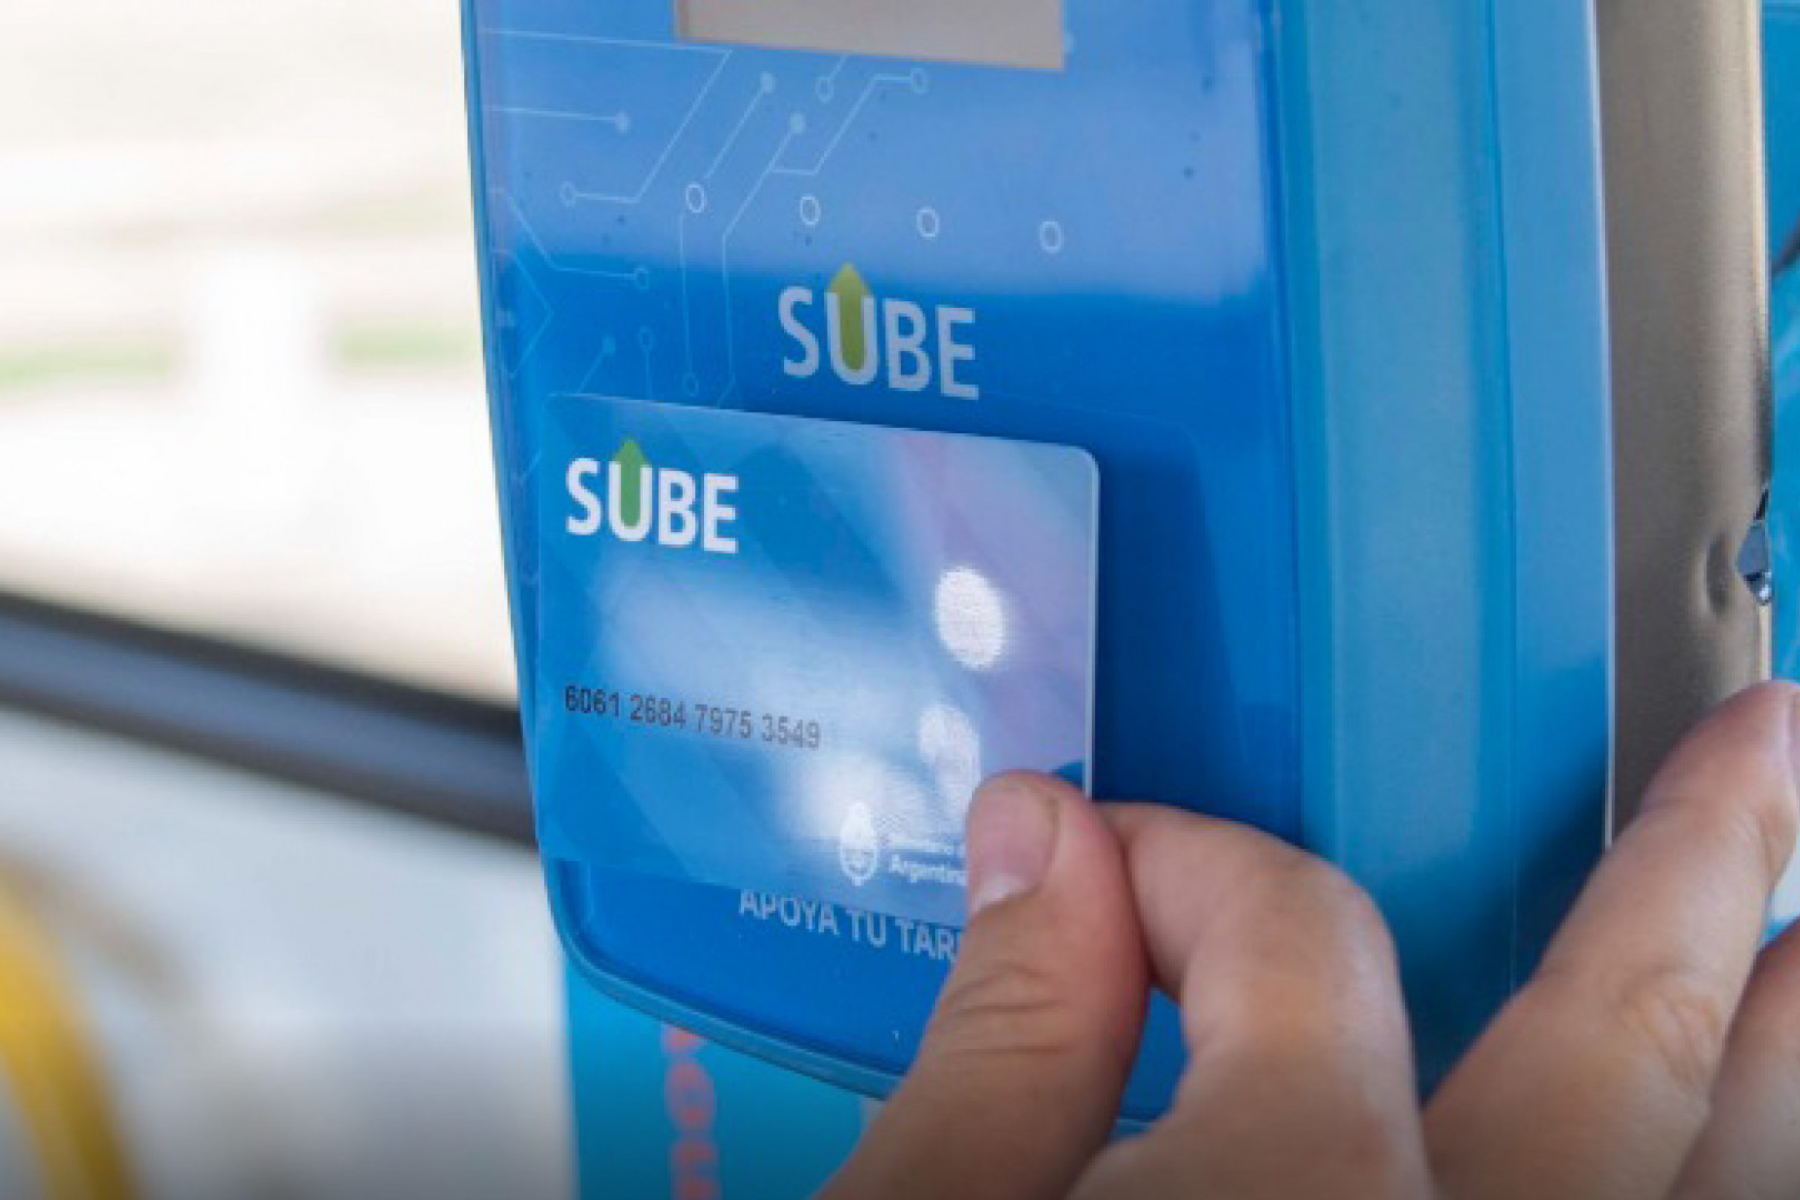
[{"x": 1596, "y": 1080}]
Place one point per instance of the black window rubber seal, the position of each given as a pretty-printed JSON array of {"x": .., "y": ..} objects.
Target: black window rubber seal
[{"x": 445, "y": 758}]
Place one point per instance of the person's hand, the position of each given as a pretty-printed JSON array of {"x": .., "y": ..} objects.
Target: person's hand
[{"x": 1655, "y": 1054}]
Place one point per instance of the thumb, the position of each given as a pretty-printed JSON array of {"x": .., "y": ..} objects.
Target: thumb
[{"x": 1018, "y": 1082}]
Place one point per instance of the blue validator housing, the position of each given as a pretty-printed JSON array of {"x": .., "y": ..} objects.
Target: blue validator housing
[
  {"x": 1781, "y": 61},
  {"x": 1318, "y": 289}
]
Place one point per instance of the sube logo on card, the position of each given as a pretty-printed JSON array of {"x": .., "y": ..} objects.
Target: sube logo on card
[{"x": 645, "y": 503}]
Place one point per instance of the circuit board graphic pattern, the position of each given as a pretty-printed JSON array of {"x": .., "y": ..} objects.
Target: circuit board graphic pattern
[
  {"x": 1110, "y": 226},
  {"x": 709, "y": 205}
]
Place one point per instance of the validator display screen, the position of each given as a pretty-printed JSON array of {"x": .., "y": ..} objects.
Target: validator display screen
[{"x": 1008, "y": 33}]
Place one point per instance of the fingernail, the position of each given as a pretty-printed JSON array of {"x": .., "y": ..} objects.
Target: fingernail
[{"x": 1011, "y": 837}]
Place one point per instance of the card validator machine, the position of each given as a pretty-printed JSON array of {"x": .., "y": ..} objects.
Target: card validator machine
[{"x": 1206, "y": 400}]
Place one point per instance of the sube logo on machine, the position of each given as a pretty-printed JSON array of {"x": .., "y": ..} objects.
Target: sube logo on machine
[
  {"x": 656, "y": 504},
  {"x": 866, "y": 338},
  {"x": 869, "y": 338}
]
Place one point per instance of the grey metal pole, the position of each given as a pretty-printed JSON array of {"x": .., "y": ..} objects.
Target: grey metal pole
[{"x": 1687, "y": 238}]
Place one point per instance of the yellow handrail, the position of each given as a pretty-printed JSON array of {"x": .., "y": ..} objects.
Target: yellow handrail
[{"x": 47, "y": 1056}]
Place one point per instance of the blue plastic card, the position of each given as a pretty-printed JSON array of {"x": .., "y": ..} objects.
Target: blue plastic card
[{"x": 780, "y": 653}]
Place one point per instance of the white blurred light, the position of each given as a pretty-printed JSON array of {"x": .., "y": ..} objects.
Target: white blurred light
[
  {"x": 835, "y": 785},
  {"x": 971, "y": 618},
  {"x": 949, "y": 744}
]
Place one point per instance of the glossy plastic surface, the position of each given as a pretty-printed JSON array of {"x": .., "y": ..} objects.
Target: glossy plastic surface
[
  {"x": 648, "y": 201},
  {"x": 1781, "y": 95},
  {"x": 1781, "y": 45},
  {"x": 1451, "y": 391},
  {"x": 1321, "y": 288},
  {"x": 1784, "y": 512}
]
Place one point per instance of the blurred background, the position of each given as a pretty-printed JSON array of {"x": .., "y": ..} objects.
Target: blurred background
[
  {"x": 241, "y": 406},
  {"x": 270, "y": 924},
  {"x": 240, "y": 293}
]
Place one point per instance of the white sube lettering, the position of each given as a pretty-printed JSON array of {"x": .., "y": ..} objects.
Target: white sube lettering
[
  {"x": 719, "y": 514},
  {"x": 951, "y": 352},
  {"x": 637, "y": 527},
  {"x": 808, "y": 362},
  {"x": 909, "y": 367},
  {"x": 871, "y": 339},
  {"x": 657, "y": 505},
  {"x": 837, "y": 337},
  {"x": 675, "y": 493},
  {"x": 580, "y": 471}
]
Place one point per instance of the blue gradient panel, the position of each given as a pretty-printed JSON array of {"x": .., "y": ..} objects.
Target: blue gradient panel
[
  {"x": 780, "y": 654},
  {"x": 1320, "y": 289},
  {"x": 1781, "y": 47},
  {"x": 1784, "y": 498},
  {"x": 1083, "y": 257},
  {"x": 1781, "y": 102},
  {"x": 1784, "y": 528},
  {"x": 651, "y": 203}
]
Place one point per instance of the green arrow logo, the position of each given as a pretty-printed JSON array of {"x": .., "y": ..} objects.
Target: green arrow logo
[
  {"x": 631, "y": 463},
  {"x": 848, "y": 292}
]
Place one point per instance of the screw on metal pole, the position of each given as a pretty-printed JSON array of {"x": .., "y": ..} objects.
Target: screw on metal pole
[{"x": 1756, "y": 559}]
